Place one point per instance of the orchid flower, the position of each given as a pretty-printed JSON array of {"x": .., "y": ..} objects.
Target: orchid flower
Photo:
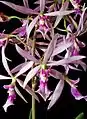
[
  {"x": 11, "y": 96},
  {"x": 74, "y": 91},
  {"x": 12, "y": 87},
  {"x": 21, "y": 31},
  {"x": 43, "y": 89},
  {"x": 43, "y": 25}
]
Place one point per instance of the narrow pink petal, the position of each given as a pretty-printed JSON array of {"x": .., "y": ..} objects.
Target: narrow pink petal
[
  {"x": 57, "y": 93},
  {"x": 7, "y": 104},
  {"x": 81, "y": 22},
  {"x": 75, "y": 81},
  {"x": 66, "y": 60},
  {"x": 61, "y": 48},
  {"x": 59, "y": 13},
  {"x": 17, "y": 68},
  {"x": 26, "y": 4},
  {"x": 50, "y": 49},
  {"x": 4, "y": 61},
  {"x": 75, "y": 58},
  {"x": 44, "y": 96},
  {"x": 19, "y": 93},
  {"x": 56, "y": 74},
  {"x": 31, "y": 26},
  {"x": 19, "y": 8},
  {"x": 42, "y": 5},
  {"x": 46, "y": 2},
  {"x": 4, "y": 77},
  {"x": 82, "y": 64},
  {"x": 25, "y": 68},
  {"x": 30, "y": 75},
  {"x": 37, "y": 9},
  {"x": 58, "y": 19},
  {"x": 74, "y": 68},
  {"x": 76, "y": 93},
  {"x": 25, "y": 54},
  {"x": 28, "y": 89}
]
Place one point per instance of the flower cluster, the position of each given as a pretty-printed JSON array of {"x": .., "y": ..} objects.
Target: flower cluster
[{"x": 47, "y": 37}]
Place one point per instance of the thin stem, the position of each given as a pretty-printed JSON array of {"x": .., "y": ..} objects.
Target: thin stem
[
  {"x": 33, "y": 101},
  {"x": 33, "y": 79}
]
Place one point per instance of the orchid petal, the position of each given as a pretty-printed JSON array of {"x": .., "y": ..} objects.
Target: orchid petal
[
  {"x": 31, "y": 74},
  {"x": 80, "y": 26},
  {"x": 77, "y": 94},
  {"x": 31, "y": 26},
  {"x": 17, "y": 68},
  {"x": 7, "y": 104},
  {"x": 46, "y": 2},
  {"x": 56, "y": 74},
  {"x": 83, "y": 65},
  {"x": 57, "y": 93},
  {"x": 20, "y": 31},
  {"x": 59, "y": 13},
  {"x": 25, "y": 54},
  {"x": 75, "y": 81},
  {"x": 49, "y": 49},
  {"x": 61, "y": 48},
  {"x": 26, "y": 4},
  {"x": 19, "y": 8},
  {"x": 58, "y": 19},
  {"x": 4, "y": 61},
  {"x": 44, "y": 96},
  {"x": 25, "y": 68},
  {"x": 37, "y": 9},
  {"x": 19, "y": 93},
  {"x": 4, "y": 77},
  {"x": 28, "y": 89},
  {"x": 66, "y": 60},
  {"x": 73, "y": 68},
  {"x": 42, "y": 5}
]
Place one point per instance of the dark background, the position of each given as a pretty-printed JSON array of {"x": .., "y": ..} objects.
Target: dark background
[{"x": 65, "y": 108}]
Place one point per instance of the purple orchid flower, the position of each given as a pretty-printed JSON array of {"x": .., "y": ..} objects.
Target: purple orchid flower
[
  {"x": 75, "y": 92},
  {"x": 43, "y": 89},
  {"x": 43, "y": 26},
  {"x": 21, "y": 31},
  {"x": 11, "y": 97},
  {"x": 75, "y": 48}
]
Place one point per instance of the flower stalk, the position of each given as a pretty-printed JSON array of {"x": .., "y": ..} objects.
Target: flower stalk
[{"x": 33, "y": 79}]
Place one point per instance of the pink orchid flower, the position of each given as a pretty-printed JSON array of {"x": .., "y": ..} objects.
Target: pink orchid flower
[
  {"x": 11, "y": 96},
  {"x": 43, "y": 26},
  {"x": 43, "y": 89}
]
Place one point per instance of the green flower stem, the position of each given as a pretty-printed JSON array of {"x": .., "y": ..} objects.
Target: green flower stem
[
  {"x": 33, "y": 79},
  {"x": 33, "y": 102},
  {"x": 15, "y": 36},
  {"x": 20, "y": 18}
]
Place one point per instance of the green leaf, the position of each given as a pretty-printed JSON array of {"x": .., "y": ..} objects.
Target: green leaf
[
  {"x": 80, "y": 116},
  {"x": 30, "y": 114}
]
